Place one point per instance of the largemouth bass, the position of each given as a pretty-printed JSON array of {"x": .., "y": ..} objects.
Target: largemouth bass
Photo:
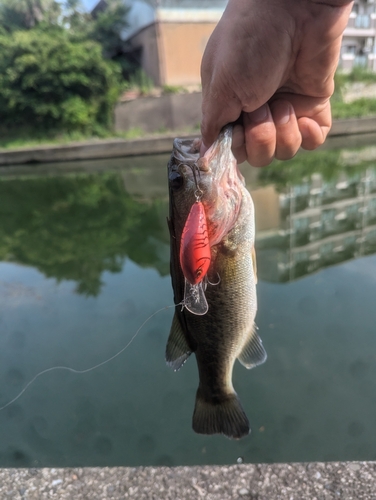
[{"x": 227, "y": 330}]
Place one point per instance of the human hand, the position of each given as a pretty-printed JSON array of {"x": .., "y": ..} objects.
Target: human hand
[{"x": 270, "y": 65}]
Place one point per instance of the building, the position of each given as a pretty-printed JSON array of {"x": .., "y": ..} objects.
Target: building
[
  {"x": 359, "y": 40},
  {"x": 167, "y": 38}
]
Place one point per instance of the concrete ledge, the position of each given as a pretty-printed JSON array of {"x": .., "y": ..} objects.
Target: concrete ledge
[
  {"x": 353, "y": 126},
  {"x": 113, "y": 148},
  {"x": 296, "y": 481},
  {"x": 106, "y": 148}
]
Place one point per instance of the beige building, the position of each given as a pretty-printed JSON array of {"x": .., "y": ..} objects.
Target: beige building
[
  {"x": 359, "y": 40},
  {"x": 168, "y": 37}
]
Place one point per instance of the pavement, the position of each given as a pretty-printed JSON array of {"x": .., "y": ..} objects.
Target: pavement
[{"x": 295, "y": 481}]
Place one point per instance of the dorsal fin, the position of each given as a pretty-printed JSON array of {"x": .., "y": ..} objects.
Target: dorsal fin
[
  {"x": 253, "y": 352},
  {"x": 177, "y": 349}
]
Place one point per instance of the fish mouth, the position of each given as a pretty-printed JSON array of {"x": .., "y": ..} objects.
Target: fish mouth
[
  {"x": 186, "y": 150},
  {"x": 219, "y": 157},
  {"x": 218, "y": 161},
  {"x": 213, "y": 179}
]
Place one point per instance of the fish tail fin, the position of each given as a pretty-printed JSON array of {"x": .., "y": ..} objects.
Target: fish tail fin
[{"x": 223, "y": 417}]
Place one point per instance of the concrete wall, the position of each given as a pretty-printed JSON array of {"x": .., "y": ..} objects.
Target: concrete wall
[{"x": 155, "y": 114}]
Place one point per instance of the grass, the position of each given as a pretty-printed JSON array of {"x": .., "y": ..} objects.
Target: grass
[
  {"x": 173, "y": 89},
  {"x": 24, "y": 138},
  {"x": 356, "y": 109},
  {"x": 359, "y": 74},
  {"x": 27, "y": 139}
]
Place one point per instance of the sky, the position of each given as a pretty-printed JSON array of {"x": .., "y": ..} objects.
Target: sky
[{"x": 89, "y": 4}]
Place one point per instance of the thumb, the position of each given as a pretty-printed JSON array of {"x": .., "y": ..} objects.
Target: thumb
[{"x": 216, "y": 113}]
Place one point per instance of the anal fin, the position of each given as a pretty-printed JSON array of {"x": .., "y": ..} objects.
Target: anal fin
[
  {"x": 253, "y": 353},
  {"x": 177, "y": 349}
]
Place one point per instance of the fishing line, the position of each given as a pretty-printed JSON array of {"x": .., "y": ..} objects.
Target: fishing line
[{"x": 86, "y": 370}]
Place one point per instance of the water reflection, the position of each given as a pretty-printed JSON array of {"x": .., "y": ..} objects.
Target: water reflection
[
  {"x": 77, "y": 227},
  {"x": 85, "y": 262},
  {"x": 317, "y": 210},
  {"x": 326, "y": 212}
]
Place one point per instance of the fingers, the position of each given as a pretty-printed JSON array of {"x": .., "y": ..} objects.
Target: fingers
[
  {"x": 279, "y": 129},
  {"x": 312, "y": 134},
  {"x": 271, "y": 132},
  {"x": 238, "y": 144},
  {"x": 260, "y": 136},
  {"x": 288, "y": 136}
]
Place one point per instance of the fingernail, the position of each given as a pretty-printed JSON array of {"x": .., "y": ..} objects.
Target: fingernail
[
  {"x": 281, "y": 111},
  {"x": 260, "y": 114}
]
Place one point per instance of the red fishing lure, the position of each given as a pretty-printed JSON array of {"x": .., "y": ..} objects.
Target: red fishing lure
[{"x": 194, "y": 246}]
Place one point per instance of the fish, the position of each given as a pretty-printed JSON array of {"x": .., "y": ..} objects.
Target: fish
[{"x": 226, "y": 331}]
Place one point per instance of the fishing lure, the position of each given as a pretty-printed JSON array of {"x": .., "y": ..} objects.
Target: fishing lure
[
  {"x": 195, "y": 257},
  {"x": 194, "y": 246}
]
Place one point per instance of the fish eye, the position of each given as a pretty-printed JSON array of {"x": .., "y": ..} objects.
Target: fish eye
[{"x": 176, "y": 180}]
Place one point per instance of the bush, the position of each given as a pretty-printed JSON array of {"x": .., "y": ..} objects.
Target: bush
[
  {"x": 49, "y": 81},
  {"x": 355, "y": 109},
  {"x": 359, "y": 74},
  {"x": 140, "y": 81}
]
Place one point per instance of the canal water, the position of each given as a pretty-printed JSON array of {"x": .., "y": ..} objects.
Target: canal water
[{"x": 84, "y": 251}]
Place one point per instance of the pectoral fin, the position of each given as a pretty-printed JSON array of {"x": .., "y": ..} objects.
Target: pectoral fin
[
  {"x": 253, "y": 352},
  {"x": 177, "y": 349}
]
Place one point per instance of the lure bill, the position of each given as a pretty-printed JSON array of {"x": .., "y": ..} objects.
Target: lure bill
[{"x": 216, "y": 323}]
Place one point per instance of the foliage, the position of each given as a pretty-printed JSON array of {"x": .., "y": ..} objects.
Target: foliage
[
  {"x": 107, "y": 26},
  {"x": 25, "y": 14},
  {"x": 140, "y": 81},
  {"x": 301, "y": 166},
  {"x": 363, "y": 106},
  {"x": 360, "y": 107},
  {"x": 104, "y": 26},
  {"x": 359, "y": 74},
  {"x": 173, "y": 89},
  {"x": 49, "y": 81},
  {"x": 76, "y": 227},
  {"x": 306, "y": 163},
  {"x": 52, "y": 73}
]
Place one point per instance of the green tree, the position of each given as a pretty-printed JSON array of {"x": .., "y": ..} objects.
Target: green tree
[
  {"x": 26, "y": 14},
  {"x": 107, "y": 27},
  {"x": 104, "y": 25},
  {"x": 49, "y": 81}
]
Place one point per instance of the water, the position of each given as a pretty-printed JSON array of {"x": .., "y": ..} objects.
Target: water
[{"x": 84, "y": 261}]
